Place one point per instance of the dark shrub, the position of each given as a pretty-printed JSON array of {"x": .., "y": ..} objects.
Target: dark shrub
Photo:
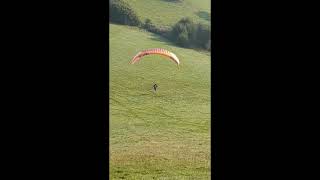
[
  {"x": 187, "y": 28},
  {"x": 161, "y": 30},
  {"x": 183, "y": 39},
  {"x": 203, "y": 35},
  {"x": 188, "y": 34},
  {"x": 148, "y": 24},
  {"x": 122, "y": 13}
]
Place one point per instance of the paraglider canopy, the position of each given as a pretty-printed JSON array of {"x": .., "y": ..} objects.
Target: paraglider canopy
[{"x": 156, "y": 51}]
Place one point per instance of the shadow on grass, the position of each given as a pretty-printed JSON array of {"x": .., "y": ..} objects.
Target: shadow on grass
[
  {"x": 204, "y": 15},
  {"x": 163, "y": 40},
  {"x": 167, "y": 42}
]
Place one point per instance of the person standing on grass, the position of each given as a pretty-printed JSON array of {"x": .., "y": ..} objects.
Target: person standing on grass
[{"x": 155, "y": 87}]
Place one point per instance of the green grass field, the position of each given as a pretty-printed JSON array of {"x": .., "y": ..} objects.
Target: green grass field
[
  {"x": 162, "y": 135},
  {"x": 165, "y": 13}
]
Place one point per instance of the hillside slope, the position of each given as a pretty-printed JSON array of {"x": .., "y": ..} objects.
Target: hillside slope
[
  {"x": 164, "y": 134},
  {"x": 166, "y": 13}
]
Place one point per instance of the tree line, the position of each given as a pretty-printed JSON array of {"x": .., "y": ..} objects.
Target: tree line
[{"x": 184, "y": 33}]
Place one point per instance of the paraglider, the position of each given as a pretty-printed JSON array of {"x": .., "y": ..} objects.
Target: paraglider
[{"x": 156, "y": 51}]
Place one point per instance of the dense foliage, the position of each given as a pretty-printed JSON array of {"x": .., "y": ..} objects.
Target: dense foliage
[
  {"x": 203, "y": 36},
  {"x": 163, "y": 31},
  {"x": 122, "y": 13},
  {"x": 188, "y": 34}
]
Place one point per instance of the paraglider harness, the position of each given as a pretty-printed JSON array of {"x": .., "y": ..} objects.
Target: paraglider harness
[{"x": 155, "y": 87}]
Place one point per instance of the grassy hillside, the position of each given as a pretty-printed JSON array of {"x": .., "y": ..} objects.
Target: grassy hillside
[
  {"x": 157, "y": 135},
  {"x": 166, "y": 13}
]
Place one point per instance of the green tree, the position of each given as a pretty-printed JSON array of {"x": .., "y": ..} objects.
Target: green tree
[
  {"x": 122, "y": 13},
  {"x": 183, "y": 39}
]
